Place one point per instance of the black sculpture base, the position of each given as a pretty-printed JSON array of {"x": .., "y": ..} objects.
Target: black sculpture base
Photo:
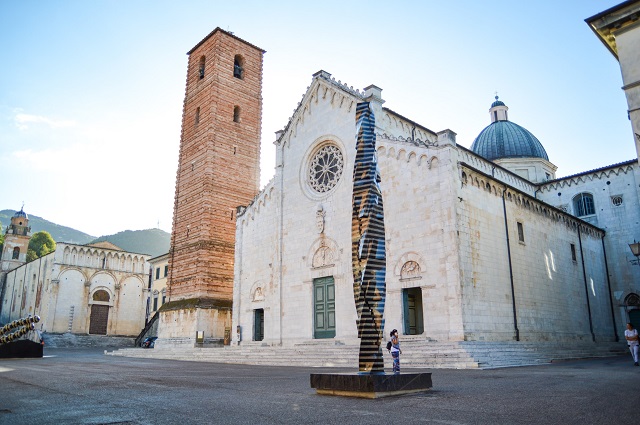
[
  {"x": 370, "y": 385},
  {"x": 22, "y": 349}
]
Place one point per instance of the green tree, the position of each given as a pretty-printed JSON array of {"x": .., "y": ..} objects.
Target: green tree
[
  {"x": 1, "y": 240},
  {"x": 41, "y": 243},
  {"x": 31, "y": 255}
]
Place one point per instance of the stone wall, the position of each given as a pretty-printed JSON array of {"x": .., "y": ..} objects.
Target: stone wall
[
  {"x": 548, "y": 284},
  {"x": 616, "y": 198}
]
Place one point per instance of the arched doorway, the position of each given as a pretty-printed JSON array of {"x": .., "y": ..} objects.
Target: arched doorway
[
  {"x": 99, "y": 313},
  {"x": 632, "y": 304}
]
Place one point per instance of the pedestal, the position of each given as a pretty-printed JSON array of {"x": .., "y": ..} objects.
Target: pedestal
[
  {"x": 367, "y": 385},
  {"x": 22, "y": 348}
]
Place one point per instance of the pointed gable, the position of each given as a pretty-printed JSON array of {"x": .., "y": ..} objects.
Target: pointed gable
[{"x": 105, "y": 245}]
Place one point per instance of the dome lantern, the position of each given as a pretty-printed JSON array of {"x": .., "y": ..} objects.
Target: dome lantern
[{"x": 498, "y": 111}]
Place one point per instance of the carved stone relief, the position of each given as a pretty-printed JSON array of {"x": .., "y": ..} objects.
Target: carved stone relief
[
  {"x": 322, "y": 257},
  {"x": 410, "y": 270},
  {"x": 320, "y": 214}
]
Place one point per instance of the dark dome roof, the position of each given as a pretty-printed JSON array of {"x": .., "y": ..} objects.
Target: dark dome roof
[
  {"x": 497, "y": 103},
  {"x": 21, "y": 213},
  {"x": 505, "y": 139}
]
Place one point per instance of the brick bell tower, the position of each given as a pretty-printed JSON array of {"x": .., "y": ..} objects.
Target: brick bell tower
[{"x": 218, "y": 169}]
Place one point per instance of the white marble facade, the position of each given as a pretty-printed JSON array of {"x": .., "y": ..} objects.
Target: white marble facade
[
  {"x": 448, "y": 262},
  {"x": 80, "y": 289}
]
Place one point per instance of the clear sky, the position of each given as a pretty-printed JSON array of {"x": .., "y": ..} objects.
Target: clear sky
[{"x": 91, "y": 92}]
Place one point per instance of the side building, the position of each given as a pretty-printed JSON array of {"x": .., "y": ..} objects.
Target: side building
[
  {"x": 619, "y": 30},
  {"x": 158, "y": 287},
  {"x": 83, "y": 289}
]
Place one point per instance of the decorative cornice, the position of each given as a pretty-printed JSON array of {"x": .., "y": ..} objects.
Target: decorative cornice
[
  {"x": 228, "y": 34},
  {"x": 414, "y": 141},
  {"x": 599, "y": 173},
  {"x": 523, "y": 200},
  {"x": 610, "y": 22},
  {"x": 319, "y": 78}
]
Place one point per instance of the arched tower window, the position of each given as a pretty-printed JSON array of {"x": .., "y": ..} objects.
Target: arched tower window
[
  {"x": 201, "y": 67},
  {"x": 197, "y": 115},
  {"x": 236, "y": 114},
  {"x": 16, "y": 253},
  {"x": 238, "y": 67},
  {"x": 583, "y": 205}
]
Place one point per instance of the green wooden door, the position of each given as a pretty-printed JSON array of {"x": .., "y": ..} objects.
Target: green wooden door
[
  {"x": 258, "y": 324},
  {"x": 324, "y": 308},
  {"x": 405, "y": 312},
  {"x": 412, "y": 311}
]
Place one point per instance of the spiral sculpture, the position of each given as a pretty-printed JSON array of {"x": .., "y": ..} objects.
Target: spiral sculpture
[
  {"x": 25, "y": 324},
  {"x": 368, "y": 243}
]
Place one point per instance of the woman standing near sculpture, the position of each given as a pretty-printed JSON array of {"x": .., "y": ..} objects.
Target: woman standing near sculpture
[{"x": 395, "y": 351}]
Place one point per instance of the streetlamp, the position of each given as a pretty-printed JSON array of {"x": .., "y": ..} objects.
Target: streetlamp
[{"x": 635, "y": 249}]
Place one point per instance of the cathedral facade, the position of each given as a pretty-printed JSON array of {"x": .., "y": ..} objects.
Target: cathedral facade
[
  {"x": 483, "y": 244},
  {"x": 473, "y": 252}
]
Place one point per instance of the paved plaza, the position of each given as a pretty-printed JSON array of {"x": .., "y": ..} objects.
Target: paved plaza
[{"x": 83, "y": 386}]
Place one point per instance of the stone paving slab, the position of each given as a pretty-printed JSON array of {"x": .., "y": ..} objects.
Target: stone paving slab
[{"x": 83, "y": 386}]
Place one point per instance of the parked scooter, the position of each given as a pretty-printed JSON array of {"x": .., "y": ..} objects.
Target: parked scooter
[{"x": 149, "y": 342}]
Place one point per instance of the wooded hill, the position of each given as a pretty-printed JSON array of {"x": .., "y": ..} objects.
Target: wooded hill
[{"x": 153, "y": 242}]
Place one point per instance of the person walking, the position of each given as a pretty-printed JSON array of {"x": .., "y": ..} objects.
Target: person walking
[
  {"x": 395, "y": 351},
  {"x": 631, "y": 335}
]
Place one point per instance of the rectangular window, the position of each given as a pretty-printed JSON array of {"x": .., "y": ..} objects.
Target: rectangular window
[
  {"x": 164, "y": 298},
  {"x": 157, "y": 273},
  {"x": 155, "y": 303},
  {"x": 166, "y": 270},
  {"x": 520, "y": 232},
  {"x": 573, "y": 252}
]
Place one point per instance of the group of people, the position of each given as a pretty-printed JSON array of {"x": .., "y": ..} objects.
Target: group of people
[{"x": 630, "y": 334}]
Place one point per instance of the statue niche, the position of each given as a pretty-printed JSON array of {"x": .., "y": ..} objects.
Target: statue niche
[{"x": 258, "y": 295}]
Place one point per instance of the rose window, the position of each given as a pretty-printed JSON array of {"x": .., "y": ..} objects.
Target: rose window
[{"x": 325, "y": 169}]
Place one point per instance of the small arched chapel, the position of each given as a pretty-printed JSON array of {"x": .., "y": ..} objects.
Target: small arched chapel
[{"x": 82, "y": 289}]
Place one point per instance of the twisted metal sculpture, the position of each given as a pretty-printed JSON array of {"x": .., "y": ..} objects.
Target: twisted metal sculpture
[
  {"x": 368, "y": 244},
  {"x": 27, "y": 323}
]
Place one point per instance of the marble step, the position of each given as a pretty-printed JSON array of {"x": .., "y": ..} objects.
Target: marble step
[{"x": 416, "y": 354}]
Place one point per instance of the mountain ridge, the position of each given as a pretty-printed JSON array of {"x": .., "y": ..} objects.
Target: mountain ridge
[{"x": 152, "y": 242}]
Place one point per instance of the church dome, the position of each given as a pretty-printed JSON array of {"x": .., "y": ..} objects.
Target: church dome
[
  {"x": 21, "y": 214},
  {"x": 505, "y": 139}
]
